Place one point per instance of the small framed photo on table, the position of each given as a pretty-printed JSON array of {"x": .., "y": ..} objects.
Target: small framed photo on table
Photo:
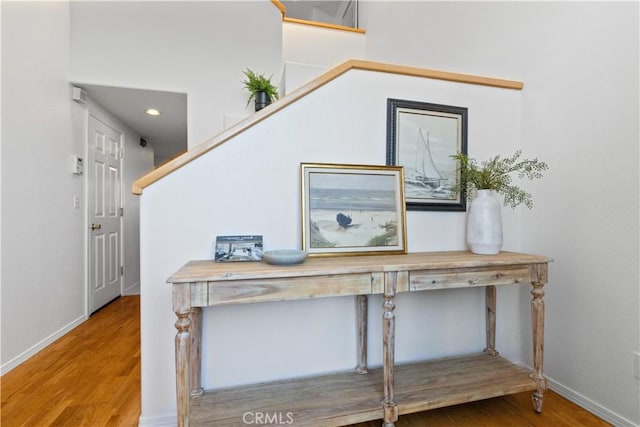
[
  {"x": 238, "y": 248},
  {"x": 352, "y": 209}
]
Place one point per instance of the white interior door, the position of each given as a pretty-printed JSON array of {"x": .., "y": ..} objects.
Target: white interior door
[{"x": 104, "y": 201}]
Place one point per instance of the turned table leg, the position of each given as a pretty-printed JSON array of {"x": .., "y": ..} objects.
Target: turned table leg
[
  {"x": 388, "y": 342},
  {"x": 490, "y": 300},
  {"x": 362, "y": 308},
  {"x": 181, "y": 301},
  {"x": 539, "y": 278},
  {"x": 196, "y": 352},
  {"x": 183, "y": 350}
]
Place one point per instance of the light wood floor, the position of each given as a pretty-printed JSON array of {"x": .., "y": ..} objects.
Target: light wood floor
[{"x": 91, "y": 377}]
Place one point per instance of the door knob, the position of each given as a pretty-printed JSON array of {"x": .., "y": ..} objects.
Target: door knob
[{"x": 96, "y": 226}]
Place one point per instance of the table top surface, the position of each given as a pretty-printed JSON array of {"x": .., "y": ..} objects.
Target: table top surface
[{"x": 211, "y": 271}]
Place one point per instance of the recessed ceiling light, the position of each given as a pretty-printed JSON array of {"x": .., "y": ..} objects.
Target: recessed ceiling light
[{"x": 153, "y": 112}]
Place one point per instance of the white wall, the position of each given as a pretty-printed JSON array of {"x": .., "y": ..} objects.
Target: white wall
[
  {"x": 306, "y": 44},
  {"x": 42, "y": 246},
  {"x": 198, "y": 48},
  {"x": 253, "y": 188},
  {"x": 309, "y": 51},
  {"x": 0, "y": 183},
  {"x": 137, "y": 161},
  {"x": 43, "y": 235},
  {"x": 586, "y": 113},
  {"x": 579, "y": 63}
]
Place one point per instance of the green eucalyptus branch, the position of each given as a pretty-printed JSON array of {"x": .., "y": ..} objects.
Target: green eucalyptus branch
[{"x": 494, "y": 174}]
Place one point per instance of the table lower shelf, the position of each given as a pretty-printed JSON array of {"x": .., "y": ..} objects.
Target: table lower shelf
[{"x": 349, "y": 398}]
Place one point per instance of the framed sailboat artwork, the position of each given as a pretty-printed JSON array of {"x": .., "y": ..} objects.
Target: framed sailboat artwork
[{"x": 423, "y": 137}]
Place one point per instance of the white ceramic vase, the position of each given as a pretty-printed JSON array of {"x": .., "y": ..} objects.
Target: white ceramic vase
[{"x": 484, "y": 224}]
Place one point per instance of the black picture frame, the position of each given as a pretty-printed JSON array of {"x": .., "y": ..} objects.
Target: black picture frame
[{"x": 422, "y": 137}]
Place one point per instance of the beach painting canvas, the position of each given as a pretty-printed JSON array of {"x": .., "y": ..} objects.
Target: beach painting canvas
[{"x": 352, "y": 209}]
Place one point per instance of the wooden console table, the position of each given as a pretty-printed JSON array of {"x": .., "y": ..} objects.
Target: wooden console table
[{"x": 366, "y": 394}]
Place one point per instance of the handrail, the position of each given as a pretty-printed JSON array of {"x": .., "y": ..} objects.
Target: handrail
[
  {"x": 323, "y": 25},
  {"x": 254, "y": 119}
]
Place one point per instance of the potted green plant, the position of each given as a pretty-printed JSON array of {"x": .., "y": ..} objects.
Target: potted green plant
[
  {"x": 260, "y": 88},
  {"x": 495, "y": 175},
  {"x": 484, "y": 220}
]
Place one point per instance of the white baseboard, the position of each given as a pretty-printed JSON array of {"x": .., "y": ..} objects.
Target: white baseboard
[
  {"x": 591, "y": 406},
  {"x": 161, "y": 421},
  {"x": 588, "y": 404},
  {"x": 19, "y": 359},
  {"x": 132, "y": 290}
]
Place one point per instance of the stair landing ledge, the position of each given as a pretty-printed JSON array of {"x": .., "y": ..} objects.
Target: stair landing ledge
[{"x": 354, "y": 64}]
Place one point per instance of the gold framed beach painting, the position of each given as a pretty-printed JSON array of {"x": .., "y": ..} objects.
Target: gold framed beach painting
[{"x": 353, "y": 209}]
